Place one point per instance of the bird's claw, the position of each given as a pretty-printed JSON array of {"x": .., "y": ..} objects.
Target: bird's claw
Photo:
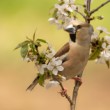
[
  {"x": 63, "y": 92},
  {"x": 78, "y": 79}
]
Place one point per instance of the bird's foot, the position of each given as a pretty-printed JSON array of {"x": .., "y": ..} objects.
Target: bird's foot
[
  {"x": 78, "y": 79},
  {"x": 63, "y": 92}
]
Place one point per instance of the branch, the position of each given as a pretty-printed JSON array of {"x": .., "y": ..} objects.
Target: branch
[
  {"x": 96, "y": 9},
  {"x": 75, "y": 93},
  {"x": 65, "y": 94},
  {"x": 88, "y": 5}
]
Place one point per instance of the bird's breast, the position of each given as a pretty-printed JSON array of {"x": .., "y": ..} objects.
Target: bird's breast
[
  {"x": 77, "y": 60},
  {"x": 78, "y": 54}
]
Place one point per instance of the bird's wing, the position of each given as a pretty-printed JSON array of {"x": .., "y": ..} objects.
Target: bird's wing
[{"x": 63, "y": 50}]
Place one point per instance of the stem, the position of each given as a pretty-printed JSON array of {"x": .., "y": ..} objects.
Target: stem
[
  {"x": 88, "y": 5},
  {"x": 75, "y": 93},
  {"x": 65, "y": 95},
  {"x": 81, "y": 14},
  {"x": 100, "y": 6}
]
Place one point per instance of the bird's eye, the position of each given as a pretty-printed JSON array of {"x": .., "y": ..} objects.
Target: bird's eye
[{"x": 78, "y": 26}]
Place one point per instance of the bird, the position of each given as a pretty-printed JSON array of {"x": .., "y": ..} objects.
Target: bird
[{"x": 76, "y": 51}]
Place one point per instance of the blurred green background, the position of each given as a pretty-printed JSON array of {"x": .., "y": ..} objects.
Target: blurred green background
[{"x": 20, "y": 18}]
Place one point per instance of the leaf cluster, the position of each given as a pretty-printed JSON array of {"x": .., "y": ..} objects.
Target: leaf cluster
[{"x": 30, "y": 47}]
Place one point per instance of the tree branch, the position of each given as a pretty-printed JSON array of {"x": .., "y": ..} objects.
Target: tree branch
[
  {"x": 88, "y": 5},
  {"x": 65, "y": 94},
  {"x": 75, "y": 93},
  {"x": 96, "y": 9}
]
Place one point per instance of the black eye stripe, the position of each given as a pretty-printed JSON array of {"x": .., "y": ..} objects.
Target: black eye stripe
[{"x": 79, "y": 26}]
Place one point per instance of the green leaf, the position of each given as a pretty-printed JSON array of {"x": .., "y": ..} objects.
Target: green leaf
[
  {"x": 30, "y": 40},
  {"x": 34, "y": 35},
  {"x": 41, "y": 80},
  {"x": 22, "y": 44},
  {"x": 33, "y": 48},
  {"x": 108, "y": 64},
  {"x": 37, "y": 43},
  {"x": 42, "y": 40},
  {"x": 94, "y": 54},
  {"x": 24, "y": 50}
]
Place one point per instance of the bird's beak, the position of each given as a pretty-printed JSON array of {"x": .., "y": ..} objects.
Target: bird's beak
[{"x": 70, "y": 29}]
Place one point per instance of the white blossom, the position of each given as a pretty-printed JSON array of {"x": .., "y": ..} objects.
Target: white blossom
[
  {"x": 42, "y": 68},
  {"x": 27, "y": 59},
  {"x": 63, "y": 15},
  {"x": 53, "y": 20},
  {"x": 106, "y": 47},
  {"x": 100, "y": 60},
  {"x": 69, "y": 1},
  {"x": 103, "y": 29},
  {"x": 55, "y": 65},
  {"x": 50, "y": 52},
  {"x": 103, "y": 58},
  {"x": 94, "y": 36},
  {"x": 52, "y": 84},
  {"x": 106, "y": 51},
  {"x": 107, "y": 38},
  {"x": 105, "y": 54},
  {"x": 61, "y": 9}
]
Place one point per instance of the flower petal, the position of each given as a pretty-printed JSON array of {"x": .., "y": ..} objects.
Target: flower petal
[
  {"x": 50, "y": 55},
  {"x": 104, "y": 45},
  {"x": 94, "y": 36},
  {"x": 52, "y": 84},
  {"x": 55, "y": 71},
  {"x": 108, "y": 47},
  {"x": 59, "y": 62},
  {"x": 41, "y": 70},
  {"x": 60, "y": 68},
  {"x": 100, "y": 60},
  {"x": 50, "y": 67},
  {"x": 107, "y": 38}
]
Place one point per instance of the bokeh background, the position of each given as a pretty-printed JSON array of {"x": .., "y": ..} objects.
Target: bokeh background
[{"x": 20, "y": 18}]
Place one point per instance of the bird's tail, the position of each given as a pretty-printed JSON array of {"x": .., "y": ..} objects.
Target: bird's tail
[{"x": 33, "y": 84}]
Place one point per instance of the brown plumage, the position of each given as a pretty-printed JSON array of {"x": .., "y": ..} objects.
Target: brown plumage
[{"x": 77, "y": 53}]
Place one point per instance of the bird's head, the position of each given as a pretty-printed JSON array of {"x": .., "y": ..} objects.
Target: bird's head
[{"x": 81, "y": 31}]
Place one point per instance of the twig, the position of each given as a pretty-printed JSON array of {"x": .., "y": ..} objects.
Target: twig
[
  {"x": 65, "y": 95},
  {"x": 81, "y": 14},
  {"x": 96, "y": 9},
  {"x": 75, "y": 93},
  {"x": 88, "y": 5}
]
